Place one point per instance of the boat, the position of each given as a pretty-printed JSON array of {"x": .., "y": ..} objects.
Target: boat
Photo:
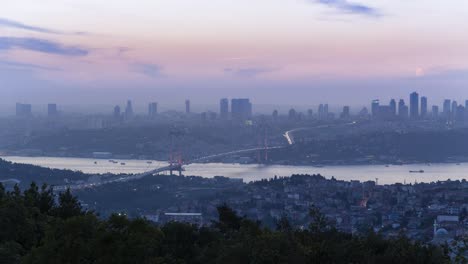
[
  {"x": 122, "y": 163},
  {"x": 416, "y": 171},
  {"x": 95, "y": 162}
]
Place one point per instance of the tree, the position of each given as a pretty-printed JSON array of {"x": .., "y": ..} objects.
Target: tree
[
  {"x": 319, "y": 223},
  {"x": 68, "y": 205}
]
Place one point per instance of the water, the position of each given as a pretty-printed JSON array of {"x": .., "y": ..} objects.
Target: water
[{"x": 385, "y": 175}]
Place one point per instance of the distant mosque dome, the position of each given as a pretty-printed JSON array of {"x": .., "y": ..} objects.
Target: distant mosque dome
[{"x": 441, "y": 232}]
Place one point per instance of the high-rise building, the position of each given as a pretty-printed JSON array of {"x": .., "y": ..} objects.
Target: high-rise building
[
  {"x": 346, "y": 112},
  {"x": 375, "y": 108},
  {"x": 117, "y": 112},
  {"x": 423, "y": 106},
  {"x": 460, "y": 113},
  {"x": 152, "y": 109},
  {"x": 414, "y": 105},
  {"x": 446, "y": 108},
  {"x": 241, "y": 109},
  {"x": 393, "y": 107},
  {"x": 275, "y": 115},
  {"x": 224, "y": 108},
  {"x": 402, "y": 109},
  {"x": 435, "y": 111},
  {"x": 292, "y": 114},
  {"x": 310, "y": 113},
  {"x": 454, "y": 109},
  {"x": 129, "y": 109},
  {"x": 320, "y": 112},
  {"x": 52, "y": 110},
  {"x": 23, "y": 110},
  {"x": 187, "y": 106}
]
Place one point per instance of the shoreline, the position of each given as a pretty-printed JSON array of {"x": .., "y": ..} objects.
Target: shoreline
[{"x": 337, "y": 163}]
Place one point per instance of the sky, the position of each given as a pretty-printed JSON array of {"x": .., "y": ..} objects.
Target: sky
[{"x": 272, "y": 51}]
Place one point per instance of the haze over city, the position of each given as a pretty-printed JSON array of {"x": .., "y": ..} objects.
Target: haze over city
[
  {"x": 294, "y": 52},
  {"x": 234, "y": 131}
]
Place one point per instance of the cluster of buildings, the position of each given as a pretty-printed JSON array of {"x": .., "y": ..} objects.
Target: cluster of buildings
[
  {"x": 418, "y": 110},
  {"x": 239, "y": 109},
  {"x": 25, "y": 110},
  {"x": 430, "y": 212}
]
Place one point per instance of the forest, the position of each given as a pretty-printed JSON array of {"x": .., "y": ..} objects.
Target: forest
[{"x": 38, "y": 226}]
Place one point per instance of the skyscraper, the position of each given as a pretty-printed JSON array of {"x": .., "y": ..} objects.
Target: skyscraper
[
  {"x": 393, "y": 107},
  {"x": 117, "y": 112},
  {"x": 414, "y": 105},
  {"x": 187, "y": 106},
  {"x": 402, "y": 109},
  {"x": 275, "y": 114},
  {"x": 454, "y": 109},
  {"x": 292, "y": 115},
  {"x": 23, "y": 110},
  {"x": 375, "y": 108},
  {"x": 446, "y": 108},
  {"x": 224, "y": 108},
  {"x": 346, "y": 112},
  {"x": 435, "y": 111},
  {"x": 129, "y": 109},
  {"x": 52, "y": 110},
  {"x": 423, "y": 106},
  {"x": 241, "y": 109},
  {"x": 152, "y": 109},
  {"x": 320, "y": 112}
]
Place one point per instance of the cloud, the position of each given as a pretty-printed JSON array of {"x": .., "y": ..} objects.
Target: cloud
[
  {"x": 20, "y": 65},
  {"x": 40, "y": 45},
  {"x": 148, "y": 69},
  {"x": 350, "y": 8},
  {"x": 14, "y": 24},
  {"x": 248, "y": 72}
]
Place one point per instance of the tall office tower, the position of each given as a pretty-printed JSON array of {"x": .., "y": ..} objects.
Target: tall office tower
[
  {"x": 466, "y": 104},
  {"x": 275, "y": 115},
  {"x": 292, "y": 114},
  {"x": 446, "y": 108},
  {"x": 435, "y": 111},
  {"x": 414, "y": 105},
  {"x": 423, "y": 107},
  {"x": 310, "y": 113},
  {"x": 241, "y": 109},
  {"x": 393, "y": 108},
  {"x": 129, "y": 109},
  {"x": 454, "y": 109},
  {"x": 320, "y": 111},
  {"x": 325, "y": 110},
  {"x": 52, "y": 110},
  {"x": 346, "y": 112},
  {"x": 224, "y": 108},
  {"x": 460, "y": 113},
  {"x": 23, "y": 110},
  {"x": 402, "y": 109},
  {"x": 117, "y": 112},
  {"x": 375, "y": 108},
  {"x": 152, "y": 109},
  {"x": 187, "y": 106}
]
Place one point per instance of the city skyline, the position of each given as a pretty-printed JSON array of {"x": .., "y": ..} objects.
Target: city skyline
[{"x": 61, "y": 50}]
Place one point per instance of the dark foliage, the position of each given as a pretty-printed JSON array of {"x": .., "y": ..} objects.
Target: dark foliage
[{"x": 34, "y": 229}]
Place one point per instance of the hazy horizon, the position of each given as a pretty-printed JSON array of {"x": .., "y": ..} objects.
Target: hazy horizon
[{"x": 274, "y": 52}]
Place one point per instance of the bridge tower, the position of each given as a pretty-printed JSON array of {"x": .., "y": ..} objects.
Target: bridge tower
[
  {"x": 262, "y": 142},
  {"x": 176, "y": 150}
]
